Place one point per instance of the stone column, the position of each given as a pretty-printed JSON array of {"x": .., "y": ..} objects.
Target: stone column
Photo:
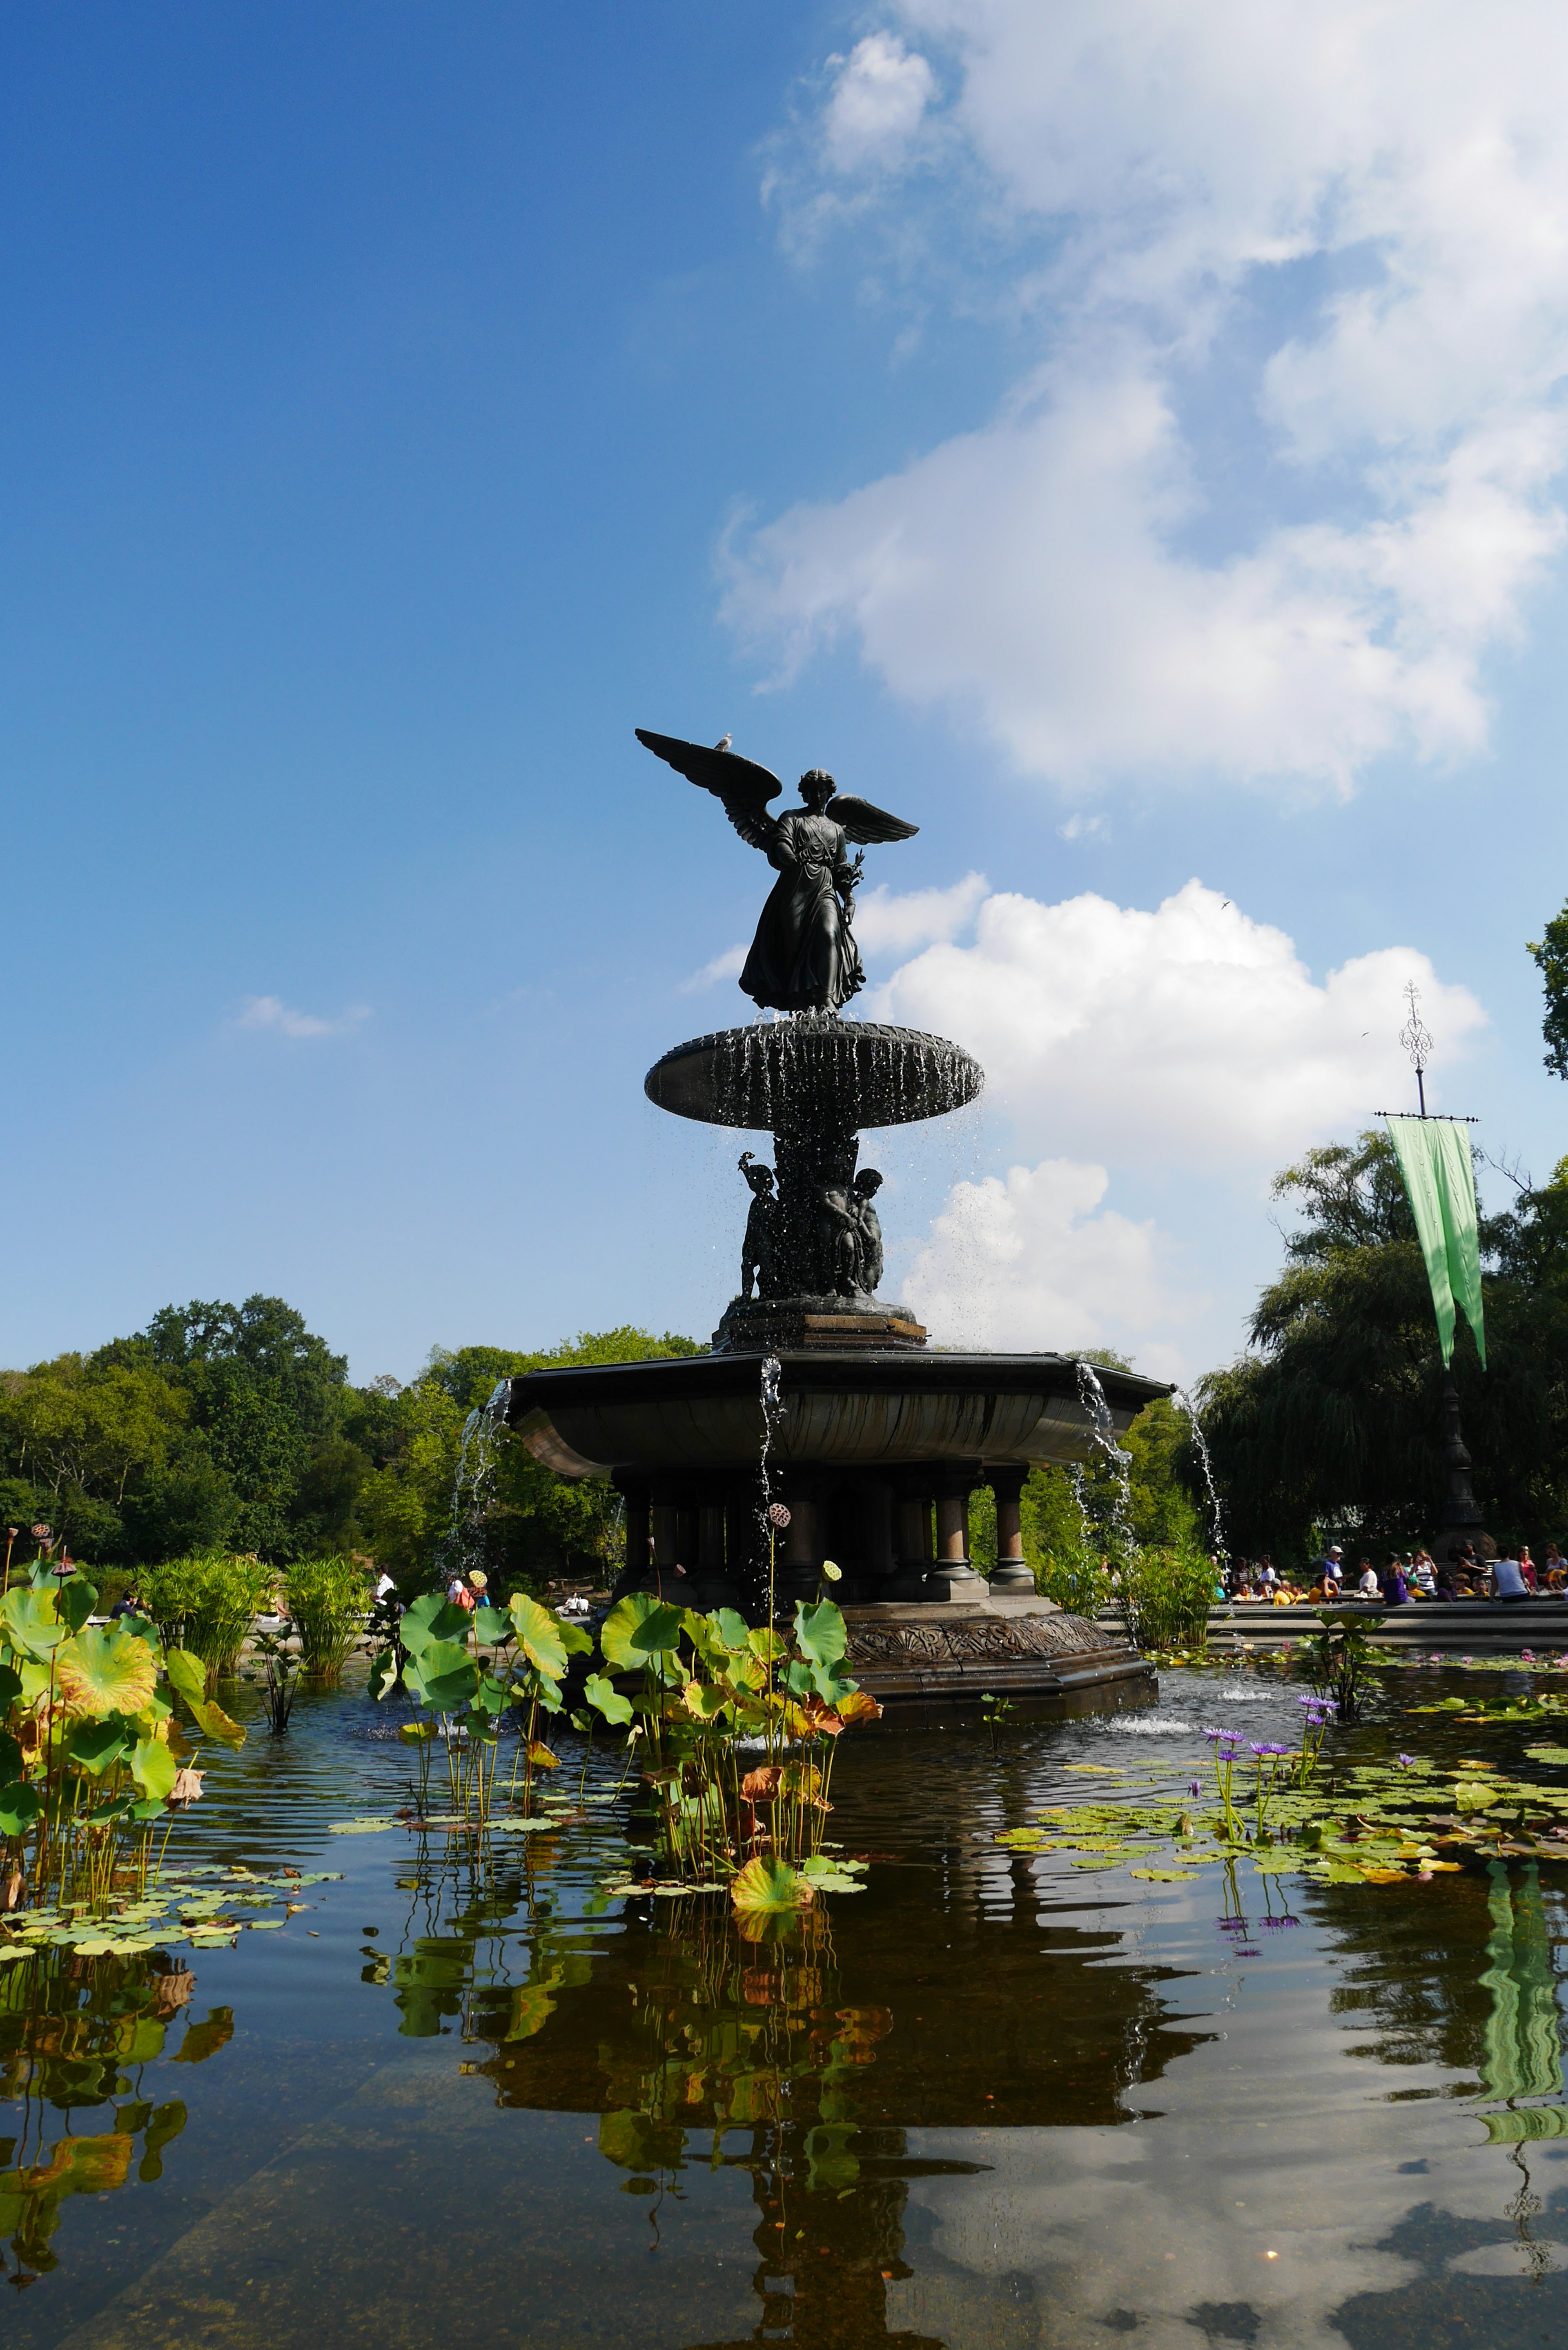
[
  {"x": 798, "y": 1568},
  {"x": 953, "y": 1576},
  {"x": 634, "y": 1573},
  {"x": 1010, "y": 1574}
]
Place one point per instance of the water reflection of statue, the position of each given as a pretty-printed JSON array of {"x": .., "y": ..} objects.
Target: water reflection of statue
[
  {"x": 867, "y": 1183},
  {"x": 804, "y": 957},
  {"x": 762, "y": 1229}
]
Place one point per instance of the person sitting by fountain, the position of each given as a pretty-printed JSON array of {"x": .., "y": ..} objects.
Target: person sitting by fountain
[
  {"x": 1554, "y": 1565},
  {"x": 1396, "y": 1590},
  {"x": 1423, "y": 1578},
  {"x": 1527, "y": 1567},
  {"x": 1368, "y": 1587},
  {"x": 1508, "y": 1581}
]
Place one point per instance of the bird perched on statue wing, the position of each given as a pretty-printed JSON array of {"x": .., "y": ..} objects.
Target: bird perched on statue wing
[
  {"x": 723, "y": 742},
  {"x": 804, "y": 957}
]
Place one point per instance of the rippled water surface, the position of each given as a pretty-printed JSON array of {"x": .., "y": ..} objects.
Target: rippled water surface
[{"x": 467, "y": 2098}]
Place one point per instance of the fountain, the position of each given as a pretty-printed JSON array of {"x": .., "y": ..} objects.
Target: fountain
[{"x": 816, "y": 1392}]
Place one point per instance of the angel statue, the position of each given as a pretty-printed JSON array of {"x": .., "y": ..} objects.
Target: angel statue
[{"x": 804, "y": 957}]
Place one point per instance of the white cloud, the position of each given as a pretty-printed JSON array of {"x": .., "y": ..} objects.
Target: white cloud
[
  {"x": 891, "y": 922},
  {"x": 880, "y": 91},
  {"x": 1188, "y": 1037},
  {"x": 728, "y": 965},
  {"x": 1027, "y": 1262},
  {"x": 271, "y": 1011},
  {"x": 1334, "y": 236}
]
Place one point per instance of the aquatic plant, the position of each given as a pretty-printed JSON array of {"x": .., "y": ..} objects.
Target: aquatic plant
[
  {"x": 92, "y": 1757},
  {"x": 713, "y": 1693},
  {"x": 206, "y": 1603},
  {"x": 275, "y": 1671},
  {"x": 327, "y": 1600},
  {"x": 1163, "y": 1598},
  {"x": 1342, "y": 1660}
]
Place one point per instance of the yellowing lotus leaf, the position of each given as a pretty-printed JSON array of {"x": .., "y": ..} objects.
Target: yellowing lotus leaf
[{"x": 105, "y": 1671}]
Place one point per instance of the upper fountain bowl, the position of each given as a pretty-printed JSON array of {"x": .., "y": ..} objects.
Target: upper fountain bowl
[{"x": 814, "y": 1068}]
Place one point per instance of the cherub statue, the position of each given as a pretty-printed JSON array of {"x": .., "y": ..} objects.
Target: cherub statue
[
  {"x": 867, "y": 1183},
  {"x": 762, "y": 1223},
  {"x": 804, "y": 957},
  {"x": 838, "y": 1231}
]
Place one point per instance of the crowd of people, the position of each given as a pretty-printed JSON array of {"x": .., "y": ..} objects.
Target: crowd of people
[{"x": 1407, "y": 1577}]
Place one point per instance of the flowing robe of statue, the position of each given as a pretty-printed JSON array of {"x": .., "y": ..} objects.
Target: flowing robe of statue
[{"x": 803, "y": 955}]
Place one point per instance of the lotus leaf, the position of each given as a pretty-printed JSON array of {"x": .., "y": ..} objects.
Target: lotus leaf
[
  {"x": 637, "y": 1628},
  {"x": 603, "y": 1695},
  {"x": 449, "y": 1674},
  {"x": 539, "y": 1636},
  {"x": 491, "y": 1628},
  {"x": 104, "y": 1670},
  {"x": 30, "y": 1624},
  {"x": 1166, "y": 1875},
  {"x": 76, "y": 1602},
  {"x": 821, "y": 1634},
  {"x": 768, "y": 1887},
  {"x": 430, "y": 1618},
  {"x": 153, "y": 1768},
  {"x": 19, "y": 1807},
  {"x": 360, "y": 1827}
]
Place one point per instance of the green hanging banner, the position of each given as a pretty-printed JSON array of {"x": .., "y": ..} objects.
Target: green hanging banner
[{"x": 1440, "y": 1183}]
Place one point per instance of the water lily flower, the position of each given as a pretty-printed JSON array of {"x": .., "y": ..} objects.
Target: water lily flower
[
  {"x": 1195, "y": 1786},
  {"x": 1527, "y": 1656},
  {"x": 1465, "y": 1661},
  {"x": 1404, "y": 1760},
  {"x": 1271, "y": 1749}
]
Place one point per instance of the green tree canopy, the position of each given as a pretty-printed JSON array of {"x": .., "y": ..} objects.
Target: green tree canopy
[
  {"x": 1331, "y": 1426},
  {"x": 1550, "y": 954}
]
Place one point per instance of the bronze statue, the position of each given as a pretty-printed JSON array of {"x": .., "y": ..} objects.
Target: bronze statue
[
  {"x": 762, "y": 1224},
  {"x": 804, "y": 957},
  {"x": 867, "y": 1183}
]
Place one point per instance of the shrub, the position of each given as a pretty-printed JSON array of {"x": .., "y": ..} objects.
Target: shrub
[
  {"x": 1163, "y": 1597},
  {"x": 206, "y": 1603},
  {"x": 327, "y": 1599}
]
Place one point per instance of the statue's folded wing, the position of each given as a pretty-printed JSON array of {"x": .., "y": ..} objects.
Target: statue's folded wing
[
  {"x": 865, "y": 824},
  {"x": 742, "y": 786}
]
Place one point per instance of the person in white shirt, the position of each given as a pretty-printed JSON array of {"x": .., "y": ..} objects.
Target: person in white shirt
[
  {"x": 1424, "y": 1575},
  {"x": 1508, "y": 1580},
  {"x": 1369, "y": 1587}
]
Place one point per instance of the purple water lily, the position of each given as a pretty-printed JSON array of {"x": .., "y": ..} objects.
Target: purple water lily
[
  {"x": 1224, "y": 1737},
  {"x": 1271, "y": 1749},
  {"x": 1318, "y": 1704},
  {"x": 1195, "y": 1786},
  {"x": 1405, "y": 1761}
]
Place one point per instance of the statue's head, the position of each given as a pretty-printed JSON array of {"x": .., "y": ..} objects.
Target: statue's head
[
  {"x": 869, "y": 1182},
  {"x": 761, "y": 1179},
  {"x": 817, "y": 788}
]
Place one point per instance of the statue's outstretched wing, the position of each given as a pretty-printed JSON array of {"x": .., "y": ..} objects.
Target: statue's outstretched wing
[
  {"x": 744, "y": 788},
  {"x": 865, "y": 824}
]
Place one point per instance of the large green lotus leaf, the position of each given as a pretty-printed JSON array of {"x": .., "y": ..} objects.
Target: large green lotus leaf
[
  {"x": 76, "y": 1603},
  {"x": 153, "y": 1767},
  {"x": 491, "y": 1627},
  {"x": 731, "y": 1628},
  {"x": 820, "y": 1632},
  {"x": 603, "y": 1695},
  {"x": 94, "y": 1746},
  {"x": 30, "y": 1624},
  {"x": 449, "y": 1673},
  {"x": 105, "y": 1671},
  {"x": 575, "y": 1642},
  {"x": 19, "y": 1807},
  {"x": 538, "y": 1636},
  {"x": 430, "y": 1618},
  {"x": 637, "y": 1627}
]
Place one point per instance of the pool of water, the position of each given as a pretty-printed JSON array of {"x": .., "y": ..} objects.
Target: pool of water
[{"x": 465, "y": 2097}]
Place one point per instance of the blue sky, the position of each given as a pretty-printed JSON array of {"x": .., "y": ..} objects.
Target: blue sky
[{"x": 1132, "y": 455}]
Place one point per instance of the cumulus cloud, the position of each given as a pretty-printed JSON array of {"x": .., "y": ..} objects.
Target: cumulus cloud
[
  {"x": 1190, "y": 1036},
  {"x": 879, "y": 94},
  {"x": 890, "y": 921},
  {"x": 728, "y": 965},
  {"x": 1342, "y": 230},
  {"x": 285, "y": 1020},
  {"x": 1032, "y": 1261}
]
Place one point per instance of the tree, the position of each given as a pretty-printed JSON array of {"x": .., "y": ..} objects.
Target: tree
[
  {"x": 1550, "y": 956},
  {"x": 1333, "y": 1425},
  {"x": 80, "y": 1441}
]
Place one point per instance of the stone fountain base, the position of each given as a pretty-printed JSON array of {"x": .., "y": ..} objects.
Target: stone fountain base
[{"x": 926, "y": 1666}]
